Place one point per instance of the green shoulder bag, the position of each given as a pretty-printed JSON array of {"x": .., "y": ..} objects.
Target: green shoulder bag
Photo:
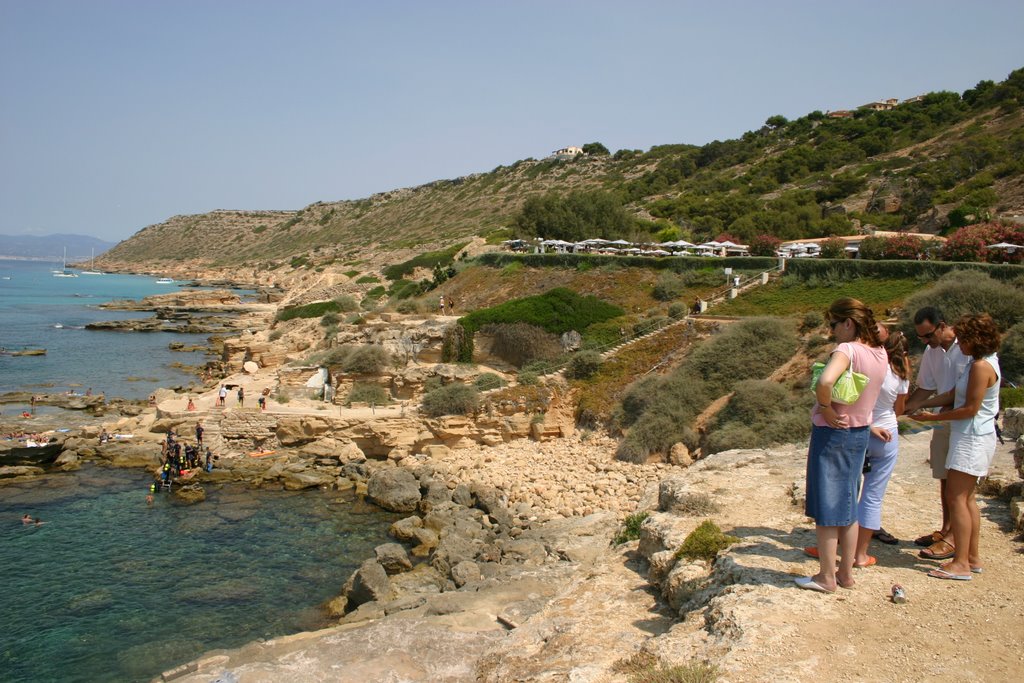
[{"x": 847, "y": 388}]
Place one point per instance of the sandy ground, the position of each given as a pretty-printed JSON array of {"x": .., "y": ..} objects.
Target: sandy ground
[{"x": 947, "y": 631}]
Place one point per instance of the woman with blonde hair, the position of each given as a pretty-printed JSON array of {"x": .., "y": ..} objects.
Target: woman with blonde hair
[
  {"x": 972, "y": 438},
  {"x": 839, "y": 440}
]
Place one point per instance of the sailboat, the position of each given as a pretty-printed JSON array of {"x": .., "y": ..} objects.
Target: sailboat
[
  {"x": 92, "y": 265},
  {"x": 64, "y": 272}
]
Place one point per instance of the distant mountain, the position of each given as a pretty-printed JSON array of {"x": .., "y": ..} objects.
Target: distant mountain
[{"x": 51, "y": 246}]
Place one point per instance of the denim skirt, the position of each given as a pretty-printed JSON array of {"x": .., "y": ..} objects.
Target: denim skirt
[{"x": 835, "y": 462}]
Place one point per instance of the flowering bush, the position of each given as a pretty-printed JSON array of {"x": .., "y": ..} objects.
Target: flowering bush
[
  {"x": 905, "y": 246},
  {"x": 764, "y": 245},
  {"x": 970, "y": 243}
]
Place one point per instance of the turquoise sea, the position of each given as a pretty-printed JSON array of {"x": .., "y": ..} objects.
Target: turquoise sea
[
  {"x": 109, "y": 588},
  {"x": 38, "y": 310}
]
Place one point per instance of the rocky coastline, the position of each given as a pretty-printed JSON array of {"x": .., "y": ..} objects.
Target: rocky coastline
[{"x": 503, "y": 567}]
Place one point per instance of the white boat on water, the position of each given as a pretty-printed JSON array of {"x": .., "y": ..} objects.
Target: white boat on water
[
  {"x": 92, "y": 266},
  {"x": 165, "y": 281},
  {"x": 64, "y": 272}
]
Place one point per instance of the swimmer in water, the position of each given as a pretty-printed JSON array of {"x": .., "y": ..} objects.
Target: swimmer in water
[
  {"x": 26, "y": 519},
  {"x": 39, "y": 522}
]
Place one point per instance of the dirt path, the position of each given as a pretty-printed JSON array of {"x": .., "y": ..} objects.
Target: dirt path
[{"x": 762, "y": 628}]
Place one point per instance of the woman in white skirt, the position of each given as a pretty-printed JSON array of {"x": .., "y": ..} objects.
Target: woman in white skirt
[{"x": 972, "y": 444}]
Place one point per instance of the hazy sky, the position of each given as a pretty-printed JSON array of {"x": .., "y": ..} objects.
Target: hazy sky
[{"x": 116, "y": 114}]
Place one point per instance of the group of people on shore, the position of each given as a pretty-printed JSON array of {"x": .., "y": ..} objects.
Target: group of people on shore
[
  {"x": 177, "y": 460},
  {"x": 855, "y": 443}
]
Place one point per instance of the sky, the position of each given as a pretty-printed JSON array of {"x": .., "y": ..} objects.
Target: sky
[{"x": 118, "y": 114}]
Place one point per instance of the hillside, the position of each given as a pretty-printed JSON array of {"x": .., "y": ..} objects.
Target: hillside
[{"x": 927, "y": 165}]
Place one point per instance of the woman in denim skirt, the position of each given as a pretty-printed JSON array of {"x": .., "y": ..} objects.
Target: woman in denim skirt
[{"x": 839, "y": 440}]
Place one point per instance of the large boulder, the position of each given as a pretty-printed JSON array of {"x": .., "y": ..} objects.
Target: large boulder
[
  {"x": 489, "y": 500},
  {"x": 452, "y": 550},
  {"x": 19, "y": 471},
  {"x": 405, "y": 529},
  {"x": 394, "y": 489},
  {"x": 1013, "y": 423},
  {"x": 393, "y": 558},
  {"x": 370, "y": 582},
  {"x": 190, "y": 494},
  {"x": 295, "y": 431}
]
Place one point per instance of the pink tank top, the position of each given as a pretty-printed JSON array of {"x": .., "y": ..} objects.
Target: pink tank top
[{"x": 867, "y": 360}]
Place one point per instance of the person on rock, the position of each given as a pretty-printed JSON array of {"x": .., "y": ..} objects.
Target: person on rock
[{"x": 241, "y": 397}]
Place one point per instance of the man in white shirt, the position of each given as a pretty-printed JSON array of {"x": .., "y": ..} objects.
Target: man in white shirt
[{"x": 940, "y": 367}]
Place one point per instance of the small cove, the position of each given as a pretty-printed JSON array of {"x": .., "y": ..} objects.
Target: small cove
[{"x": 110, "y": 589}]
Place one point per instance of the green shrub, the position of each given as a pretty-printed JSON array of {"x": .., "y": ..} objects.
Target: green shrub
[
  {"x": 1011, "y": 397},
  {"x": 346, "y": 303},
  {"x": 669, "y": 286},
  {"x": 584, "y": 365},
  {"x": 313, "y": 310},
  {"x": 404, "y": 289},
  {"x": 282, "y": 396},
  {"x": 430, "y": 259},
  {"x": 968, "y": 291},
  {"x": 366, "y": 360},
  {"x": 630, "y": 530},
  {"x": 655, "y": 432},
  {"x": 408, "y": 306},
  {"x": 452, "y": 399},
  {"x": 749, "y": 349},
  {"x": 275, "y": 335},
  {"x": 556, "y": 311},
  {"x": 363, "y": 392},
  {"x": 329, "y": 319},
  {"x": 1011, "y": 354},
  {"x": 527, "y": 378},
  {"x": 639, "y": 395},
  {"x": 711, "y": 266},
  {"x": 520, "y": 343},
  {"x": 678, "y": 310},
  {"x": 644, "y": 667},
  {"x": 849, "y": 269},
  {"x": 456, "y": 344},
  {"x": 705, "y": 542},
  {"x": 511, "y": 269},
  {"x": 607, "y": 333},
  {"x": 366, "y": 279},
  {"x": 695, "y": 505},
  {"x": 760, "y": 413},
  {"x": 351, "y": 273},
  {"x": 488, "y": 381},
  {"x": 810, "y": 322}
]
